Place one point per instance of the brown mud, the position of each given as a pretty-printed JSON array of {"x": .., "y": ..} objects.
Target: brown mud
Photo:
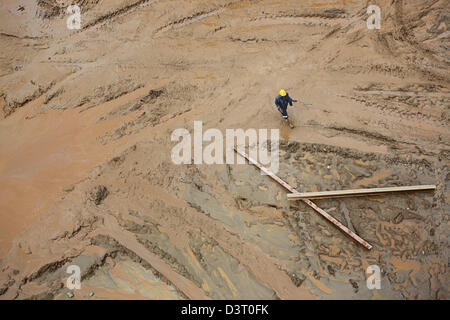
[{"x": 86, "y": 176}]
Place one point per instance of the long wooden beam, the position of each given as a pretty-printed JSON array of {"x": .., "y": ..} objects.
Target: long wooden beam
[
  {"x": 327, "y": 216},
  {"x": 356, "y": 192}
]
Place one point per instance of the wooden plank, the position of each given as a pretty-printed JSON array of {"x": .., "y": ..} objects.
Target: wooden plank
[
  {"x": 356, "y": 192},
  {"x": 327, "y": 216}
]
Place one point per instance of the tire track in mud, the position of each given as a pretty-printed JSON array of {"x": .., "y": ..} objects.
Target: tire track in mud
[
  {"x": 396, "y": 71},
  {"x": 9, "y": 35},
  {"x": 322, "y": 18},
  {"x": 425, "y": 62},
  {"x": 187, "y": 20},
  {"x": 408, "y": 94},
  {"x": 326, "y": 18},
  {"x": 118, "y": 13},
  {"x": 177, "y": 24},
  {"x": 400, "y": 106},
  {"x": 301, "y": 20},
  {"x": 392, "y": 143}
]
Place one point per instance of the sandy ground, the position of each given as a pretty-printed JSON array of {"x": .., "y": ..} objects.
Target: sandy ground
[{"x": 86, "y": 176}]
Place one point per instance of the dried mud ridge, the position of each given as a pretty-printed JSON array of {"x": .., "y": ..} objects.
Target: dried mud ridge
[{"x": 122, "y": 11}]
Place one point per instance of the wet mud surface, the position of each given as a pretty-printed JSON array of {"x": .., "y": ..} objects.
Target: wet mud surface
[{"x": 86, "y": 176}]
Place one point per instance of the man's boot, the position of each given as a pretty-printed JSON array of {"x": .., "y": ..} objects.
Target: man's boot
[{"x": 290, "y": 124}]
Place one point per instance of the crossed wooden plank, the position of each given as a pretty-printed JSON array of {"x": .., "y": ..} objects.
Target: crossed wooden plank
[
  {"x": 357, "y": 192},
  {"x": 308, "y": 202}
]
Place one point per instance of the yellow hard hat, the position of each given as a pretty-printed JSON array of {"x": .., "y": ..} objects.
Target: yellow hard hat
[{"x": 282, "y": 93}]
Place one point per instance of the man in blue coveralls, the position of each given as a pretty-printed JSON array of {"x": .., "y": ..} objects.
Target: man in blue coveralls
[{"x": 282, "y": 101}]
